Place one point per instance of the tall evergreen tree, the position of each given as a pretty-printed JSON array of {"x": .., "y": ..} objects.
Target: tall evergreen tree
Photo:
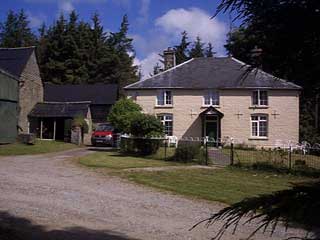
[
  {"x": 15, "y": 31},
  {"x": 197, "y": 50},
  {"x": 124, "y": 70},
  {"x": 181, "y": 50},
  {"x": 209, "y": 50}
]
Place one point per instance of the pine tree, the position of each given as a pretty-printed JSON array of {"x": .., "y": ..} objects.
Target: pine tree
[
  {"x": 197, "y": 49},
  {"x": 181, "y": 50},
  {"x": 124, "y": 70},
  {"x": 209, "y": 50},
  {"x": 53, "y": 68},
  {"x": 15, "y": 31}
]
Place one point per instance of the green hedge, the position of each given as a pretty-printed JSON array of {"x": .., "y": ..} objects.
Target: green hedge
[{"x": 140, "y": 146}]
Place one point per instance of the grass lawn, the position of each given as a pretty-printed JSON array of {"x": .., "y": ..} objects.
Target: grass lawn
[
  {"x": 115, "y": 160},
  {"x": 39, "y": 147},
  {"x": 163, "y": 153},
  {"x": 227, "y": 185}
]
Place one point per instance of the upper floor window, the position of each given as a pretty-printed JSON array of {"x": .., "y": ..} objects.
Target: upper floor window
[
  {"x": 164, "y": 98},
  {"x": 167, "y": 122},
  {"x": 260, "y": 98},
  {"x": 259, "y": 126},
  {"x": 211, "y": 98}
]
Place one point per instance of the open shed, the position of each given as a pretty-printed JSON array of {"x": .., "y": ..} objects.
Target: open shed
[{"x": 53, "y": 120}]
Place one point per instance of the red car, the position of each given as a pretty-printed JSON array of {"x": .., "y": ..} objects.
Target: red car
[{"x": 104, "y": 134}]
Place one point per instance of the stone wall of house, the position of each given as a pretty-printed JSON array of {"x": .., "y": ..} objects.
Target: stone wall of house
[
  {"x": 283, "y": 113},
  {"x": 31, "y": 91}
]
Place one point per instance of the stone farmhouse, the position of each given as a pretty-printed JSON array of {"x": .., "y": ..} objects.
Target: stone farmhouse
[{"x": 220, "y": 98}]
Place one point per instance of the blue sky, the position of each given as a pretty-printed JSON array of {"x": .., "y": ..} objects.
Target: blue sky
[{"x": 154, "y": 24}]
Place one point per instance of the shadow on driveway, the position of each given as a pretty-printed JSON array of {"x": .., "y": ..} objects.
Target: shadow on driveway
[{"x": 17, "y": 228}]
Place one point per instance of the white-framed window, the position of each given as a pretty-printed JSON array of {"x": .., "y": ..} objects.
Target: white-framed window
[
  {"x": 211, "y": 98},
  {"x": 164, "y": 98},
  {"x": 259, "y": 125},
  {"x": 167, "y": 122},
  {"x": 260, "y": 98}
]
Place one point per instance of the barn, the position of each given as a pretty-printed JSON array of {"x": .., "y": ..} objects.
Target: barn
[{"x": 9, "y": 92}]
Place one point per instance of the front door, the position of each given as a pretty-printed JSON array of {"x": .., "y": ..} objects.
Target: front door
[{"x": 212, "y": 129}]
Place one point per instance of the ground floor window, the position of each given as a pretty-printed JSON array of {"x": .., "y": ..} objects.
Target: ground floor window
[
  {"x": 259, "y": 125},
  {"x": 167, "y": 122}
]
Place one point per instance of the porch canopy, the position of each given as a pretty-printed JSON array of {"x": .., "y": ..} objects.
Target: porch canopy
[
  {"x": 52, "y": 117},
  {"x": 211, "y": 111}
]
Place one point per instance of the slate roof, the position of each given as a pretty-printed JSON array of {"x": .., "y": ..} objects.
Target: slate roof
[
  {"x": 58, "y": 109},
  {"x": 213, "y": 73},
  {"x": 13, "y": 60},
  {"x": 95, "y": 93}
]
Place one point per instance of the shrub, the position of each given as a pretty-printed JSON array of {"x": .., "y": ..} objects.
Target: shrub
[
  {"x": 143, "y": 125},
  {"x": 140, "y": 146},
  {"x": 122, "y": 113},
  {"x": 186, "y": 153},
  {"x": 79, "y": 121}
]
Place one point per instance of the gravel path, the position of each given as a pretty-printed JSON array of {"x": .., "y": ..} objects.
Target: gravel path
[{"x": 66, "y": 201}]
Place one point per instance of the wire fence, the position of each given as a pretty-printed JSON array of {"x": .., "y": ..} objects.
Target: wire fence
[{"x": 282, "y": 155}]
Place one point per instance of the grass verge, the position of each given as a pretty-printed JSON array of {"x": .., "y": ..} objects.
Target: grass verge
[
  {"x": 227, "y": 185},
  {"x": 115, "y": 160},
  {"x": 38, "y": 148}
]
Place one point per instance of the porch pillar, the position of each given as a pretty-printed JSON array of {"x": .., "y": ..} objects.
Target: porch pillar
[
  {"x": 54, "y": 129},
  {"x": 41, "y": 126}
]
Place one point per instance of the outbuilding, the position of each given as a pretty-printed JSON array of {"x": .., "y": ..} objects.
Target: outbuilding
[{"x": 9, "y": 95}]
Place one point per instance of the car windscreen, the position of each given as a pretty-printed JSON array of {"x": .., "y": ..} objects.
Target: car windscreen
[{"x": 104, "y": 128}]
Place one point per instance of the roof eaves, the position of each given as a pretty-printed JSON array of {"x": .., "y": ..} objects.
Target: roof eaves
[{"x": 130, "y": 86}]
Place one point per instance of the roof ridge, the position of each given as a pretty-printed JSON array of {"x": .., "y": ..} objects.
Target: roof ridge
[
  {"x": 79, "y": 102},
  {"x": 168, "y": 70},
  {"x": 15, "y": 48}
]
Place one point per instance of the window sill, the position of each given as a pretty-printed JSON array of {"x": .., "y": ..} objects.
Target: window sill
[
  {"x": 163, "y": 106},
  {"x": 259, "y": 138},
  {"x": 258, "y": 107},
  {"x": 206, "y": 106}
]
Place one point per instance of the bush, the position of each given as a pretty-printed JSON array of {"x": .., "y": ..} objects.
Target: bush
[
  {"x": 186, "y": 153},
  {"x": 122, "y": 113},
  {"x": 140, "y": 146},
  {"x": 143, "y": 125},
  {"x": 79, "y": 121}
]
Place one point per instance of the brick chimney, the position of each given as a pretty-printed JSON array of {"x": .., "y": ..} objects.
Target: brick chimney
[{"x": 169, "y": 58}]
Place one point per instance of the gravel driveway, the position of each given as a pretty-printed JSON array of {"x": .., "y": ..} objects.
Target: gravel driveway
[{"x": 50, "y": 197}]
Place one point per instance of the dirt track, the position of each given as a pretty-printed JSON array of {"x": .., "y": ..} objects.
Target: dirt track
[{"x": 50, "y": 197}]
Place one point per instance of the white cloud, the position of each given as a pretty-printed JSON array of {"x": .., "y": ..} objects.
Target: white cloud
[
  {"x": 65, "y": 6},
  {"x": 167, "y": 29},
  {"x": 36, "y": 20},
  {"x": 146, "y": 65},
  {"x": 144, "y": 11},
  {"x": 197, "y": 23}
]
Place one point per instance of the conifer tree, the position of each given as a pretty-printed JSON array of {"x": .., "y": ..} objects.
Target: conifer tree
[
  {"x": 124, "y": 71},
  {"x": 197, "y": 49},
  {"x": 181, "y": 50},
  {"x": 209, "y": 50},
  {"x": 15, "y": 31}
]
